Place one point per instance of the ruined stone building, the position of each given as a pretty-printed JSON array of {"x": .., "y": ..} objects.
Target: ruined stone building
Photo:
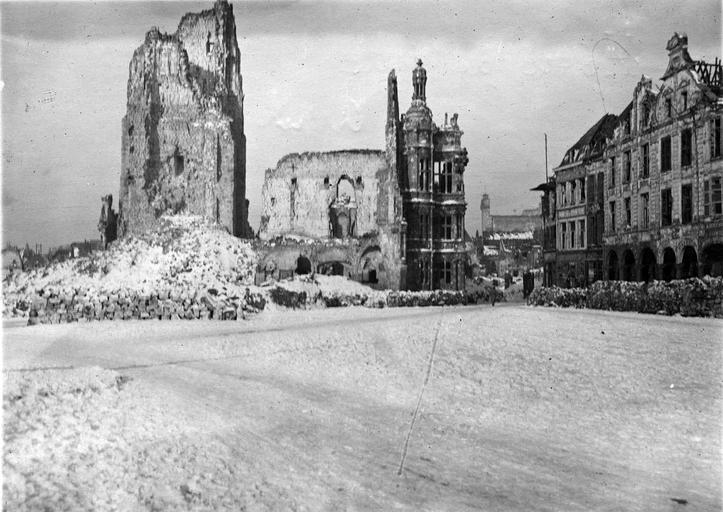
[
  {"x": 639, "y": 196},
  {"x": 392, "y": 218},
  {"x": 183, "y": 143}
]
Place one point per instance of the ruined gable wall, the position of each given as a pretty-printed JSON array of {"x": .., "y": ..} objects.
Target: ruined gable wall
[
  {"x": 303, "y": 208},
  {"x": 183, "y": 147}
]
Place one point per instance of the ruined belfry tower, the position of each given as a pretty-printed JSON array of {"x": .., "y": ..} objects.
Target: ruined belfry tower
[
  {"x": 432, "y": 188},
  {"x": 183, "y": 143}
]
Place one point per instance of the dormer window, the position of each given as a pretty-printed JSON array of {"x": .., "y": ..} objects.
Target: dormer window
[
  {"x": 668, "y": 108},
  {"x": 684, "y": 99}
]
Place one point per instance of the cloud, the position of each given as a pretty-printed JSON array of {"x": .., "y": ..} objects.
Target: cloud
[{"x": 462, "y": 22}]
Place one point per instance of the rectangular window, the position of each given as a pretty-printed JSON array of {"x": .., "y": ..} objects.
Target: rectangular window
[
  {"x": 666, "y": 207},
  {"x": 601, "y": 189},
  {"x": 645, "y": 151},
  {"x": 571, "y": 230},
  {"x": 686, "y": 204},
  {"x": 582, "y": 190},
  {"x": 626, "y": 167},
  {"x": 460, "y": 226},
  {"x": 424, "y": 226},
  {"x": 669, "y": 107},
  {"x": 581, "y": 232},
  {"x": 628, "y": 213},
  {"x": 686, "y": 147},
  {"x": 424, "y": 272},
  {"x": 573, "y": 192},
  {"x": 445, "y": 181},
  {"x": 447, "y": 227},
  {"x": 423, "y": 174},
  {"x": 447, "y": 272},
  {"x": 612, "y": 216},
  {"x": 684, "y": 100},
  {"x": 563, "y": 236},
  {"x": 706, "y": 198},
  {"x": 612, "y": 171},
  {"x": 715, "y": 189},
  {"x": 665, "y": 159},
  {"x": 715, "y": 137},
  {"x": 644, "y": 215}
]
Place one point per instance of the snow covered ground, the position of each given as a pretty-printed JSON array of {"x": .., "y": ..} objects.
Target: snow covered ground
[{"x": 526, "y": 409}]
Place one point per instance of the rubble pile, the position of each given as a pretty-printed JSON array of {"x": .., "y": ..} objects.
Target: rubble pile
[
  {"x": 558, "y": 297},
  {"x": 687, "y": 297},
  {"x": 187, "y": 267},
  {"x": 336, "y": 291}
]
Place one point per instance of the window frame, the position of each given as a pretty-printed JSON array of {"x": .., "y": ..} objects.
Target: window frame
[{"x": 666, "y": 154}]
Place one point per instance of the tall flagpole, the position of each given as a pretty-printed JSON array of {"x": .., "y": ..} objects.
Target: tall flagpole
[{"x": 546, "y": 177}]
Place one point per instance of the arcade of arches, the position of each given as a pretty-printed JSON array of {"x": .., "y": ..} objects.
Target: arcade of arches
[{"x": 626, "y": 265}]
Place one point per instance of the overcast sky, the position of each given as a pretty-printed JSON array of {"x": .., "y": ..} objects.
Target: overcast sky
[{"x": 314, "y": 76}]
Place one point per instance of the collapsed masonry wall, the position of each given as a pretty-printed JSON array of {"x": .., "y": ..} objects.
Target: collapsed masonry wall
[
  {"x": 307, "y": 193},
  {"x": 373, "y": 259},
  {"x": 183, "y": 146},
  {"x": 62, "y": 305}
]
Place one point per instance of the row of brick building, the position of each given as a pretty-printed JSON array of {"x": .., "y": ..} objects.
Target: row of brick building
[{"x": 638, "y": 197}]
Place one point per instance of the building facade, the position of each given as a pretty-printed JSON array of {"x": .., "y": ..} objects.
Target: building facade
[
  {"x": 663, "y": 184},
  {"x": 578, "y": 195},
  {"x": 432, "y": 188},
  {"x": 639, "y": 196},
  {"x": 391, "y": 218}
]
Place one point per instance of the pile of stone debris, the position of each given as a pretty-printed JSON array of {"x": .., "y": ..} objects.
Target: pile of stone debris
[{"x": 186, "y": 268}]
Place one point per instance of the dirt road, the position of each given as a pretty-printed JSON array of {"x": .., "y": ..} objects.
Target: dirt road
[{"x": 526, "y": 409}]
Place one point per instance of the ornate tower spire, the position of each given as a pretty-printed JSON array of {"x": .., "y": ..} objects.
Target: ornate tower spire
[{"x": 419, "y": 81}]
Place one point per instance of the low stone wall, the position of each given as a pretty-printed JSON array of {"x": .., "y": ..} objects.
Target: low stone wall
[
  {"x": 302, "y": 299},
  {"x": 688, "y": 297},
  {"x": 60, "y": 305}
]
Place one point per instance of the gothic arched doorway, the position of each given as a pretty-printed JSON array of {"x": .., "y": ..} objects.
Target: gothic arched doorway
[
  {"x": 689, "y": 263},
  {"x": 303, "y": 265},
  {"x": 668, "y": 264},
  {"x": 647, "y": 265},
  {"x": 612, "y": 266},
  {"x": 628, "y": 266},
  {"x": 712, "y": 260}
]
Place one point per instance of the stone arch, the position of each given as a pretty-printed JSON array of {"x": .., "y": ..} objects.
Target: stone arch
[
  {"x": 668, "y": 269},
  {"x": 613, "y": 270},
  {"x": 345, "y": 188},
  {"x": 628, "y": 265},
  {"x": 648, "y": 265},
  {"x": 712, "y": 260},
  {"x": 303, "y": 265},
  {"x": 331, "y": 268},
  {"x": 371, "y": 265},
  {"x": 688, "y": 263}
]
